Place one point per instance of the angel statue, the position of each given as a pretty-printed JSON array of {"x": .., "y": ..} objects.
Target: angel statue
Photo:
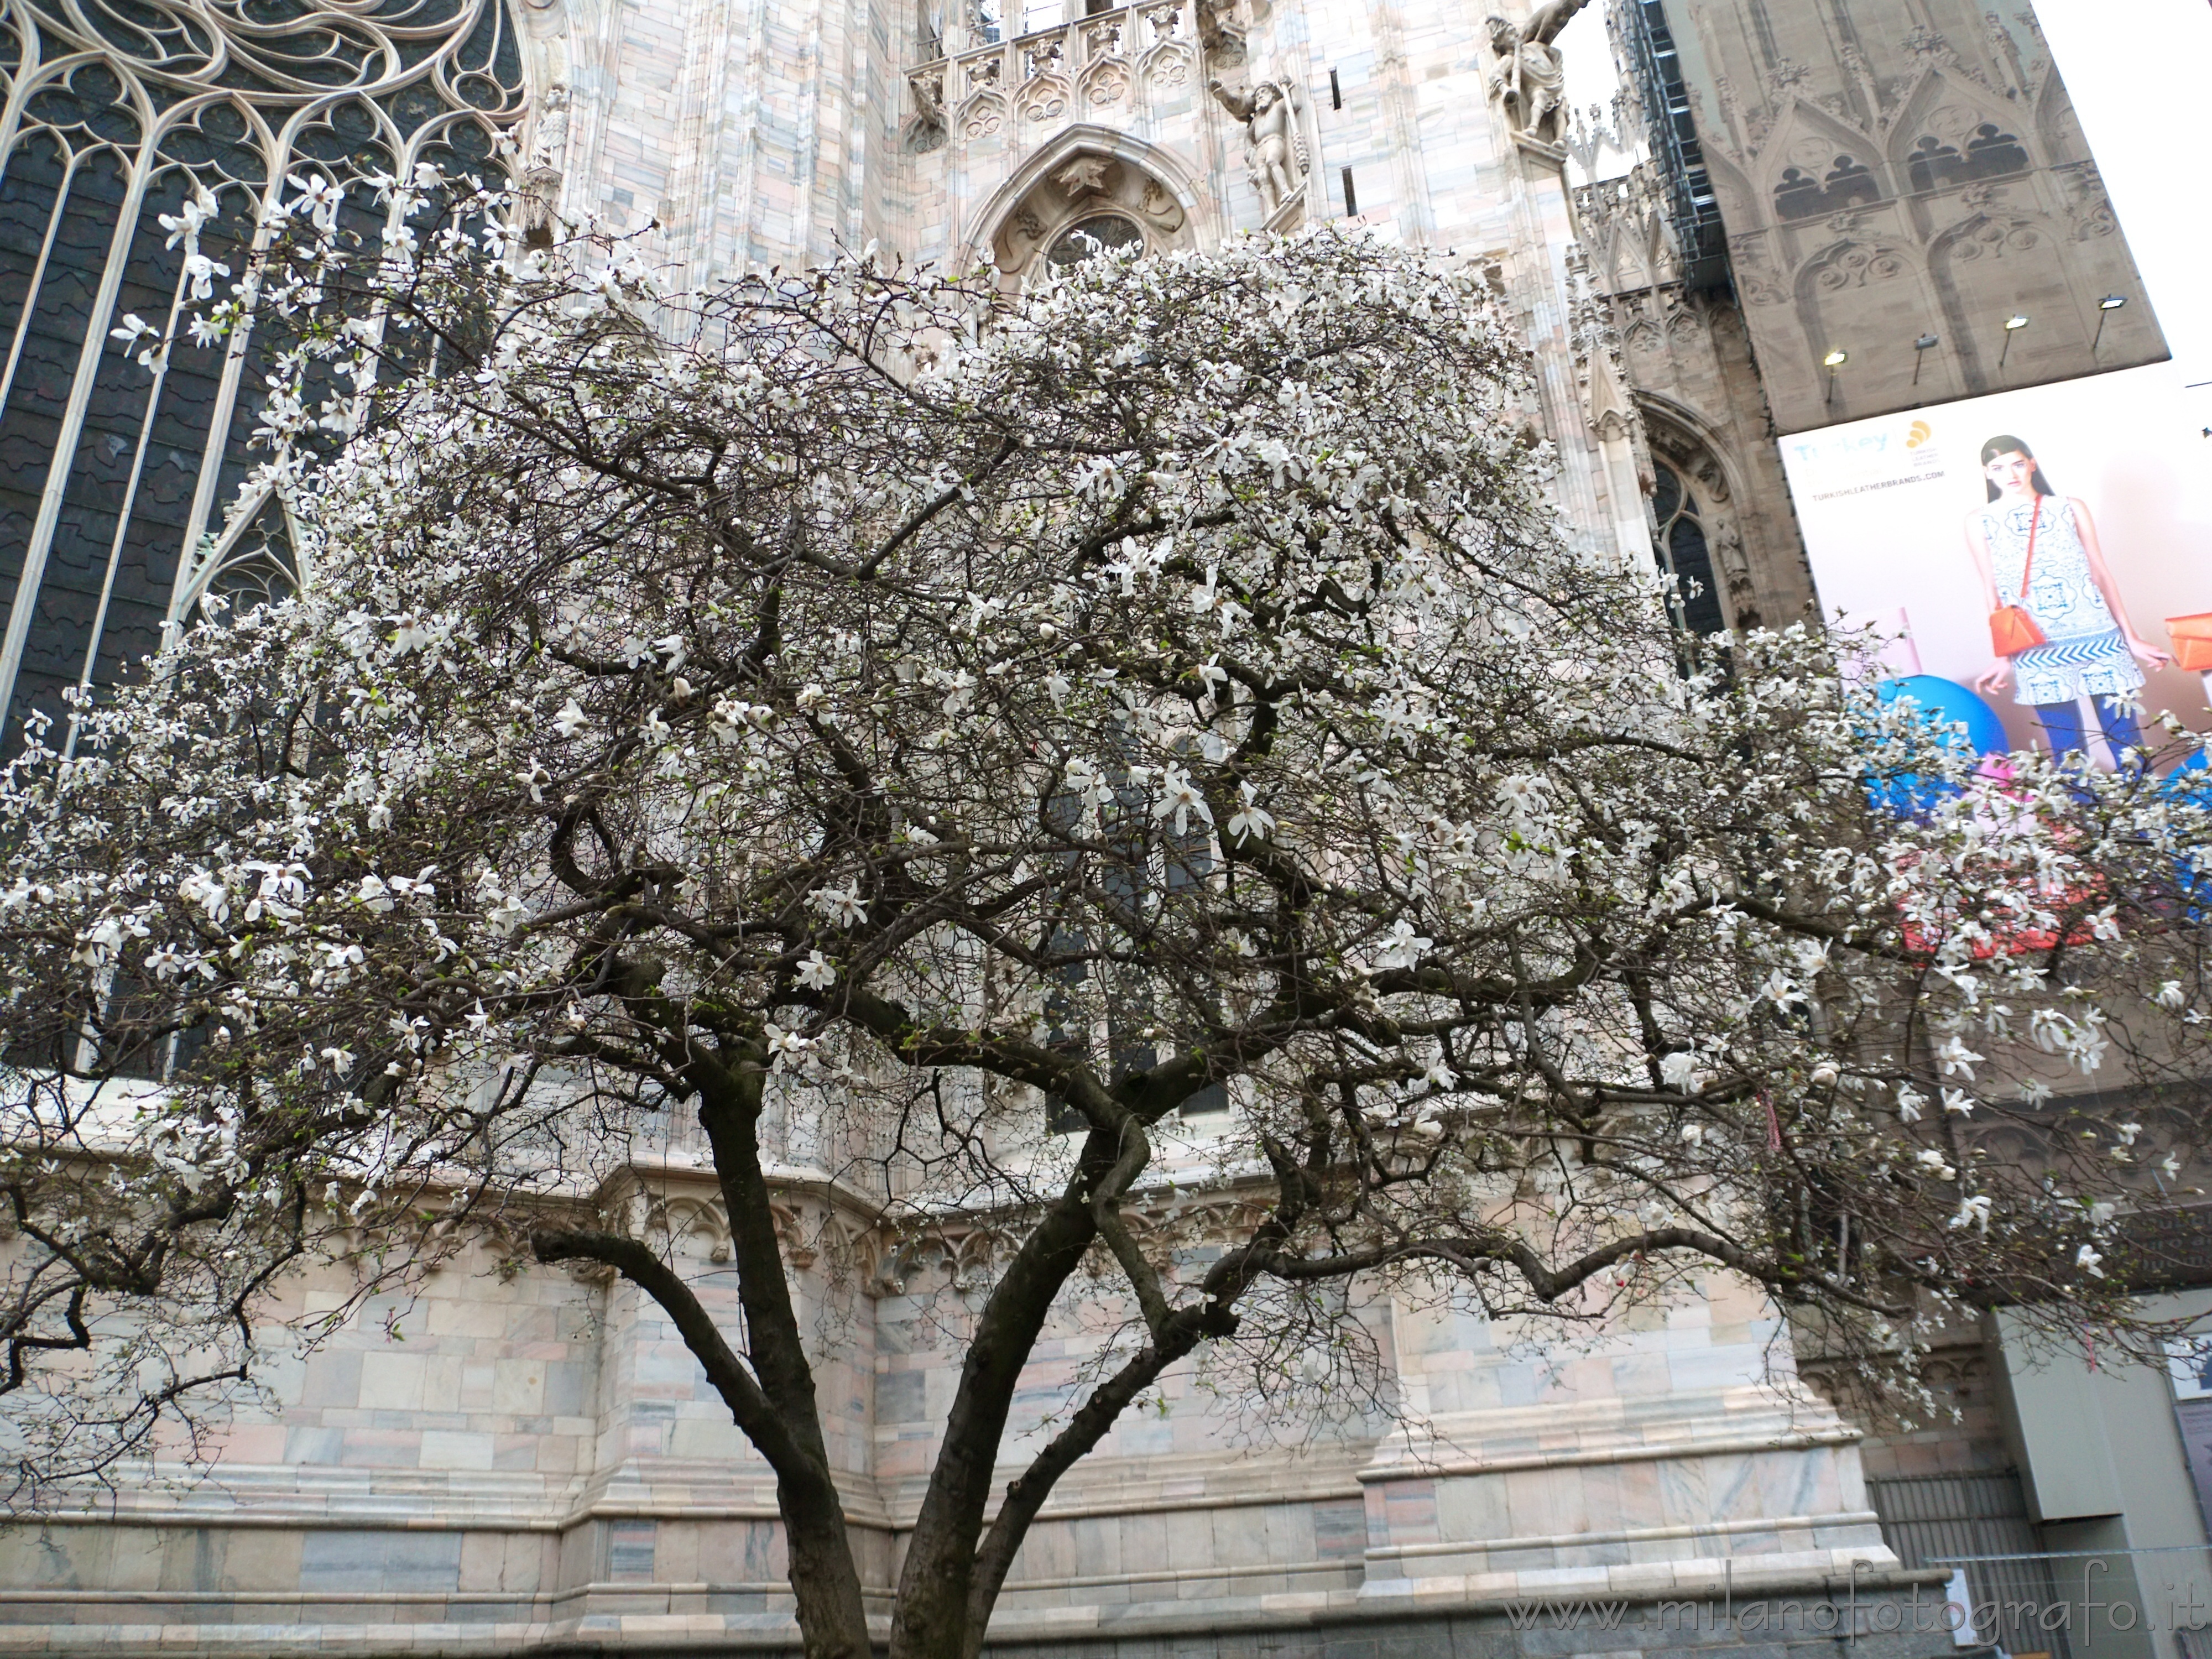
[
  {"x": 1271, "y": 149},
  {"x": 1531, "y": 75}
]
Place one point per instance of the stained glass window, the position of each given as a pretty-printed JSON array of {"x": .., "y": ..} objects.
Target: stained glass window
[{"x": 120, "y": 481}]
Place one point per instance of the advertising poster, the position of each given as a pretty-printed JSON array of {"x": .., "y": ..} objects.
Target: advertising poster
[{"x": 2096, "y": 492}]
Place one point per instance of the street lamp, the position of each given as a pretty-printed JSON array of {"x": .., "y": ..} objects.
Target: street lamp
[
  {"x": 2105, "y": 307},
  {"x": 2014, "y": 323},
  {"x": 1832, "y": 362},
  {"x": 1921, "y": 347}
]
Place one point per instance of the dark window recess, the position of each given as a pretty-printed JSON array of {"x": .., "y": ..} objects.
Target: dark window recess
[
  {"x": 1065, "y": 1034},
  {"x": 1847, "y": 184},
  {"x": 1173, "y": 864},
  {"x": 1693, "y": 212},
  {"x": 1684, "y": 555},
  {"x": 1990, "y": 154},
  {"x": 1335, "y": 92},
  {"x": 1350, "y": 197}
]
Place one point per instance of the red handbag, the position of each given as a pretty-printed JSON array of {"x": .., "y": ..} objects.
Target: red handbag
[{"x": 2012, "y": 629}]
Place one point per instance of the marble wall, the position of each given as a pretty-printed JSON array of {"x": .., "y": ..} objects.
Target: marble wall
[{"x": 534, "y": 1458}]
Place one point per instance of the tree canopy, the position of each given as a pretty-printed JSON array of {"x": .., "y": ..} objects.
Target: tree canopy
[{"x": 946, "y": 736}]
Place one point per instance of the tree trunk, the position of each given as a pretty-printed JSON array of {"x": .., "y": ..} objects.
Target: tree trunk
[{"x": 933, "y": 1617}]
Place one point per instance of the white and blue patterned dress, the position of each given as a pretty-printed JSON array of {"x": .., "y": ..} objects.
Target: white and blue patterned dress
[{"x": 2085, "y": 651}]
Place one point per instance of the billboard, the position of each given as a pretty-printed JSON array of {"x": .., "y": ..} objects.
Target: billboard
[{"x": 2087, "y": 505}]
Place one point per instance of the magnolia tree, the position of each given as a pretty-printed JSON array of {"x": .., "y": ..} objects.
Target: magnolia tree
[{"x": 905, "y": 713}]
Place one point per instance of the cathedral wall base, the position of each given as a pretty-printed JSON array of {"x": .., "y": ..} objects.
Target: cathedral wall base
[{"x": 1886, "y": 1615}]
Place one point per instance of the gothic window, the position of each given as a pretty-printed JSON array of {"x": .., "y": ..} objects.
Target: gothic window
[
  {"x": 1934, "y": 165},
  {"x": 1991, "y": 153},
  {"x": 1099, "y": 233},
  {"x": 118, "y": 477},
  {"x": 1849, "y": 182},
  {"x": 990, "y": 21},
  {"x": 1684, "y": 555},
  {"x": 1798, "y": 195}
]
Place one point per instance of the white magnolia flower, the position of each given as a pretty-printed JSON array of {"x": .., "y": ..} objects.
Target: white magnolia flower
[
  {"x": 2172, "y": 996},
  {"x": 1955, "y": 1058},
  {"x": 1783, "y": 992},
  {"x": 817, "y": 973},
  {"x": 2087, "y": 1258},
  {"x": 1974, "y": 1213},
  {"x": 786, "y": 1046},
  {"x": 1935, "y": 1163},
  {"x": 1958, "y": 1102},
  {"x": 1250, "y": 821},
  {"x": 141, "y": 336},
  {"x": 1521, "y": 793},
  {"x": 200, "y": 273},
  {"x": 1403, "y": 947},
  {"x": 1679, "y": 1071},
  {"x": 571, "y": 719},
  {"x": 1179, "y": 798},
  {"x": 841, "y": 907}
]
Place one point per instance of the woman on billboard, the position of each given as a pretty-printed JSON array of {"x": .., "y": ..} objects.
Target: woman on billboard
[{"x": 2037, "y": 554}]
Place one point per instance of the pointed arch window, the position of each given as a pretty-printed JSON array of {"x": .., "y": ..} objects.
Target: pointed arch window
[
  {"x": 117, "y": 476},
  {"x": 1685, "y": 555}
]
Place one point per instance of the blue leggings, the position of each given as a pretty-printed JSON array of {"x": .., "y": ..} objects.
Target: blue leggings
[{"x": 2062, "y": 724}]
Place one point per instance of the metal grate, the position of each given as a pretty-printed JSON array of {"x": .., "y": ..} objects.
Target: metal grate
[{"x": 1931, "y": 1520}]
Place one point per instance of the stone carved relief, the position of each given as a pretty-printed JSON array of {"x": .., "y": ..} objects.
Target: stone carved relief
[
  {"x": 1985, "y": 237},
  {"x": 1274, "y": 139},
  {"x": 1160, "y": 210},
  {"x": 1083, "y": 176},
  {"x": 1087, "y": 187},
  {"x": 1530, "y": 76},
  {"x": 1627, "y": 225},
  {"x": 983, "y": 116},
  {"x": 804, "y": 1235},
  {"x": 1854, "y": 264},
  {"x": 1093, "y": 63},
  {"x": 2088, "y": 210},
  {"x": 1044, "y": 98},
  {"x": 1104, "y": 83}
]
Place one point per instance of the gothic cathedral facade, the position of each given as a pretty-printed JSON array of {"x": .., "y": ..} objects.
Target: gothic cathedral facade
[{"x": 540, "y": 1467}]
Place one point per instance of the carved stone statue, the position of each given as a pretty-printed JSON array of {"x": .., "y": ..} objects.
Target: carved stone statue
[
  {"x": 1271, "y": 149},
  {"x": 929, "y": 128},
  {"x": 1531, "y": 77}
]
